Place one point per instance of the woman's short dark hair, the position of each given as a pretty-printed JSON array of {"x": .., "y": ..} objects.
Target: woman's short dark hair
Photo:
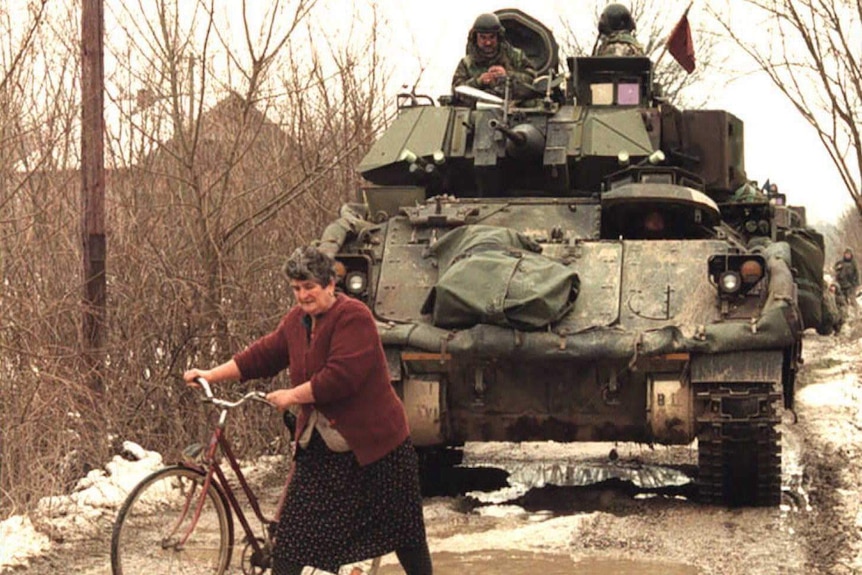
[{"x": 309, "y": 263}]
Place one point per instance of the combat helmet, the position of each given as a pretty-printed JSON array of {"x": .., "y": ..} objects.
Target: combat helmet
[
  {"x": 616, "y": 18},
  {"x": 486, "y": 23}
]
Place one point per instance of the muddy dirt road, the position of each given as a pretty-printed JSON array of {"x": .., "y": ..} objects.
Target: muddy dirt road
[{"x": 636, "y": 515}]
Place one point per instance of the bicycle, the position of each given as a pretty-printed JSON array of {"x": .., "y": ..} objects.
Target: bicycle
[{"x": 179, "y": 520}]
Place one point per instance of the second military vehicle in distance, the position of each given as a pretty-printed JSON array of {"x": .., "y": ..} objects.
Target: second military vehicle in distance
[{"x": 591, "y": 264}]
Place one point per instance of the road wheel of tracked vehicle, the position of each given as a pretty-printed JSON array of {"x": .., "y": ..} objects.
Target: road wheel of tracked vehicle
[{"x": 739, "y": 445}]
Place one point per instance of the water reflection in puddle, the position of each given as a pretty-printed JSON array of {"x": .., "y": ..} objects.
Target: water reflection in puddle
[
  {"x": 533, "y": 465},
  {"x": 524, "y": 476}
]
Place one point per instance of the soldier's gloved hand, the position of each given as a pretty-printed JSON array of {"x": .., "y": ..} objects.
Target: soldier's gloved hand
[
  {"x": 487, "y": 78},
  {"x": 497, "y": 71}
]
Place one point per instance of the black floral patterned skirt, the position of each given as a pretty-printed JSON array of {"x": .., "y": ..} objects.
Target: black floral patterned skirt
[{"x": 337, "y": 512}]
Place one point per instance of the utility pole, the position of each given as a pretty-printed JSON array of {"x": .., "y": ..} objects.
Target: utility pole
[{"x": 93, "y": 190}]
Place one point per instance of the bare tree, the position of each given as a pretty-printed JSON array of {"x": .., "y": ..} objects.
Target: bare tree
[
  {"x": 847, "y": 232},
  {"x": 229, "y": 142},
  {"x": 43, "y": 403},
  {"x": 812, "y": 56},
  {"x": 17, "y": 47},
  {"x": 237, "y": 143}
]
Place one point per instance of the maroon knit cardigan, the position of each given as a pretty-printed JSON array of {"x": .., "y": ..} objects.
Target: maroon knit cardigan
[{"x": 349, "y": 376}]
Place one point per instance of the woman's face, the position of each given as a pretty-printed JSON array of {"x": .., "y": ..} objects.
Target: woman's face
[{"x": 313, "y": 297}]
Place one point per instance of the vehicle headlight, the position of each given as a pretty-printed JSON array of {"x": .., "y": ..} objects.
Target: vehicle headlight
[
  {"x": 735, "y": 275},
  {"x": 751, "y": 271},
  {"x": 355, "y": 282},
  {"x": 340, "y": 271},
  {"x": 729, "y": 282}
]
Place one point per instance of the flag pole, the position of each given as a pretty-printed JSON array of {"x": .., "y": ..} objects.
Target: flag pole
[{"x": 664, "y": 48}]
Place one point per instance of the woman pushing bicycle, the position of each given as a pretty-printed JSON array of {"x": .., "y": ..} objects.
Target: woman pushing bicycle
[{"x": 354, "y": 493}]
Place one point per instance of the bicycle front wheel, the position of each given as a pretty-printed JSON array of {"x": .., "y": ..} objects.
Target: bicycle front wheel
[{"x": 168, "y": 526}]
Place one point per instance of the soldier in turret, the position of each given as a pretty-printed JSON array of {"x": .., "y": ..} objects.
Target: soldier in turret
[
  {"x": 617, "y": 33},
  {"x": 491, "y": 60}
]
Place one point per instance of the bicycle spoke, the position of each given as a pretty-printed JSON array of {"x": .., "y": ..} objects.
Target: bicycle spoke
[{"x": 159, "y": 531}]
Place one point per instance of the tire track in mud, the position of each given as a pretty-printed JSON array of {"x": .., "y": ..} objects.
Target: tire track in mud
[{"x": 829, "y": 405}]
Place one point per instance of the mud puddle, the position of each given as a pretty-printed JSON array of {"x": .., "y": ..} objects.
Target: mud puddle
[
  {"x": 521, "y": 563},
  {"x": 627, "y": 567},
  {"x": 535, "y": 476},
  {"x": 563, "y": 479}
]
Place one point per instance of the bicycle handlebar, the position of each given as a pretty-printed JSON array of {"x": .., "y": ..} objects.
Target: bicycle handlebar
[{"x": 225, "y": 404}]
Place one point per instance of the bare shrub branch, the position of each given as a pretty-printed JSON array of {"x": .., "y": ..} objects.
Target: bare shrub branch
[{"x": 814, "y": 62}]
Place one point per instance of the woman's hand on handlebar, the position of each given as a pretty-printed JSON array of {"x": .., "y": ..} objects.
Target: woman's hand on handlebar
[
  {"x": 284, "y": 398},
  {"x": 190, "y": 376},
  {"x": 228, "y": 371},
  {"x": 281, "y": 398}
]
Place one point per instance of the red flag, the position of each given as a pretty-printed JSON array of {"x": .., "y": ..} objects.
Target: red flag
[{"x": 680, "y": 45}]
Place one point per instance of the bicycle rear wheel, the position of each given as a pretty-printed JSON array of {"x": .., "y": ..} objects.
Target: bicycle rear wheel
[{"x": 159, "y": 514}]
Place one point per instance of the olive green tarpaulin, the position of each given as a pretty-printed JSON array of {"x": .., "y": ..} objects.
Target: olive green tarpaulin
[
  {"x": 497, "y": 276},
  {"x": 807, "y": 255}
]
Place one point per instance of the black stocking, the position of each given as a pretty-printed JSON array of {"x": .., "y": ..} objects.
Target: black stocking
[
  {"x": 415, "y": 560},
  {"x": 282, "y": 567}
]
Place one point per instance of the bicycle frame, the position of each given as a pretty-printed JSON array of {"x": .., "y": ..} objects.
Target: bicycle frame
[{"x": 211, "y": 467}]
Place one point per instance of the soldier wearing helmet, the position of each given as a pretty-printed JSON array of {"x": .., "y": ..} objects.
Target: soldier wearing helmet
[
  {"x": 491, "y": 60},
  {"x": 616, "y": 33},
  {"x": 847, "y": 277},
  {"x": 835, "y": 310}
]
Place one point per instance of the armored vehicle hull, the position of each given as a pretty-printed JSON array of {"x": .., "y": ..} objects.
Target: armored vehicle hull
[{"x": 591, "y": 265}]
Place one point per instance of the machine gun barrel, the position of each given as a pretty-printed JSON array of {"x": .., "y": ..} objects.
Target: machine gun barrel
[{"x": 517, "y": 138}]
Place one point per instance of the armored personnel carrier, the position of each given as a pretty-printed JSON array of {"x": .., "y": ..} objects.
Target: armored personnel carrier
[{"x": 590, "y": 264}]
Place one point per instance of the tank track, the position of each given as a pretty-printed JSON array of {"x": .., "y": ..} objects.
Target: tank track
[{"x": 739, "y": 445}]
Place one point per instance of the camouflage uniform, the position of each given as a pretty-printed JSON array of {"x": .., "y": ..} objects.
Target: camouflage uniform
[
  {"x": 847, "y": 277},
  {"x": 517, "y": 66},
  {"x": 748, "y": 192},
  {"x": 834, "y": 309},
  {"x": 621, "y": 43}
]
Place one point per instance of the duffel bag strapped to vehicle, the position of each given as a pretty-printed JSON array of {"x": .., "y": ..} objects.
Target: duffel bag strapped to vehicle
[
  {"x": 807, "y": 255},
  {"x": 498, "y": 276}
]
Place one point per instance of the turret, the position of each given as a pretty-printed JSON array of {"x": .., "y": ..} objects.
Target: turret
[{"x": 608, "y": 116}]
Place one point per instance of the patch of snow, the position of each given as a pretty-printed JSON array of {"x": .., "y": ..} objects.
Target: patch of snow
[
  {"x": 501, "y": 511},
  {"x": 551, "y": 535},
  {"x": 21, "y": 542},
  {"x": 82, "y": 513},
  {"x": 500, "y": 495},
  {"x": 841, "y": 391},
  {"x": 441, "y": 510}
]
